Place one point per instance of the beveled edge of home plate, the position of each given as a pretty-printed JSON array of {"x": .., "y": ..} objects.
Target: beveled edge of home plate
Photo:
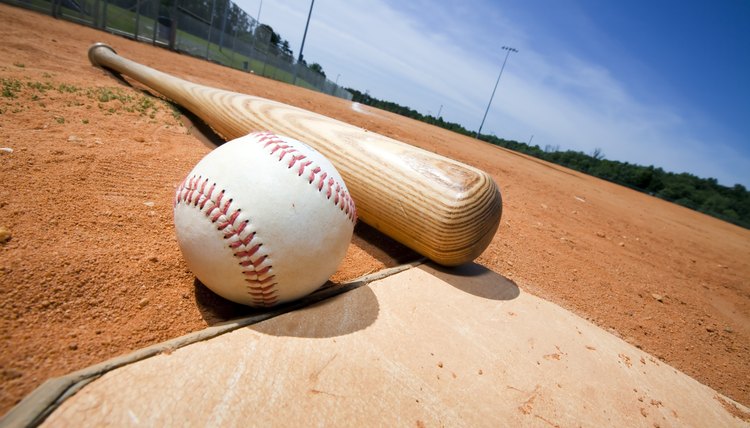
[{"x": 41, "y": 402}]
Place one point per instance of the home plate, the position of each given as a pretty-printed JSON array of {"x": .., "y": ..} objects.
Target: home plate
[{"x": 422, "y": 347}]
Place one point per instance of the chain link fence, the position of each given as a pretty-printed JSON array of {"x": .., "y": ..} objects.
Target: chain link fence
[{"x": 216, "y": 30}]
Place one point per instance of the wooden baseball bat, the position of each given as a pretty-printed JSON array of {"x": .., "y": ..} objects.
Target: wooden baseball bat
[{"x": 441, "y": 208}]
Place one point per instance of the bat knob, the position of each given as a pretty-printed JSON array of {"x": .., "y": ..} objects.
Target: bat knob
[{"x": 94, "y": 47}]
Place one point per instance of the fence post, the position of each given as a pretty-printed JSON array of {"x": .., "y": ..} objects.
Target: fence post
[
  {"x": 95, "y": 14},
  {"x": 210, "y": 27},
  {"x": 223, "y": 25},
  {"x": 137, "y": 19},
  {"x": 104, "y": 15},
  {"x": 156, "y": 22},
  {"x": 172, "y": 24},
  {"x": 234, "y": 39}
]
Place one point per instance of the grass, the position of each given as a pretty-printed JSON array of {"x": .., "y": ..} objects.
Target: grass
[
  {"x": 176, "y": 113},
  {"x": 226, "y": 56},
  {"x": 11, "y": 87},
  {"x": 39, "y": 86},
  {"x": 108, "y": 99},
  {"x": 67, "y": 88},
  {"x": 124, "y": 20},
  {"x": 104, "y": 95}
]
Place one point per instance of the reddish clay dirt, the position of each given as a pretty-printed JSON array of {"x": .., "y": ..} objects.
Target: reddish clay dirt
[{"x": 92, "y": 269}]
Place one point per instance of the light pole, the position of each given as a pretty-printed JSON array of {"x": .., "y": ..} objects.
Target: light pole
[
  {"x": 304, "y": 36},
  {"x": 509, "y": 49}
]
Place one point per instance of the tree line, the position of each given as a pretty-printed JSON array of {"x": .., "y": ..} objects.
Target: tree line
[{"x": 706, "y": 195}]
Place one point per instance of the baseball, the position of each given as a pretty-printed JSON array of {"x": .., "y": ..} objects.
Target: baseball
[{"x": 263, "y": 220}]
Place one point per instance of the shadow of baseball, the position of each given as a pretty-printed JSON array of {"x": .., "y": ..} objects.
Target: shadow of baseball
[
  {"x": 340, "y": 315},
  {"x": 215, "y": 309}
]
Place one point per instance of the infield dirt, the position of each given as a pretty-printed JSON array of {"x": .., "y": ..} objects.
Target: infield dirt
[{"x": 90, "y": 268}]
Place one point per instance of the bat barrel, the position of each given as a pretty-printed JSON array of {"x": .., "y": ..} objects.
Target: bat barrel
[{"x": 443, "y": 209}]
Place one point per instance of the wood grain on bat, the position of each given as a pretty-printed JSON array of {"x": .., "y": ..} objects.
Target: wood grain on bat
[{"x": 443, "y": 209}]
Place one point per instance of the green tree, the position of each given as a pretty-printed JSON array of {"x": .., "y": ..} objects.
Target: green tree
[{"x": 317, "y": 68}]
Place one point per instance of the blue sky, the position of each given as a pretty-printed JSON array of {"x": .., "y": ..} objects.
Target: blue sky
[{"x": 659, "y": 83}]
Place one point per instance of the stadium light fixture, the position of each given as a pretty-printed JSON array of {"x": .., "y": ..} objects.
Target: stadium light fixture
[{"x": 507, "y": 54}]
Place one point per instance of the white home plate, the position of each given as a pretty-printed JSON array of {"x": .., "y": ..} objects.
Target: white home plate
[{"x": 419, "y": 348}]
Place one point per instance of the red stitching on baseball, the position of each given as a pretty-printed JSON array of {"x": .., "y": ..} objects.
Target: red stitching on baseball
[
  {"x": 208, "y": 195},
  {"x": 313, "y": 172},
  {"x": 262, "y": 271},
  {"x": 261, "y": 285},
  {"x": 341, "y": 198},
  {"x": 303, "y": 166},
  {"x": 240, "y": 242},
  {"x": 330, "y": 188},
  {"x": 322, "y": 181},
  {"x": 294, "y": 159},
  {"x": 248, "y": 253}
]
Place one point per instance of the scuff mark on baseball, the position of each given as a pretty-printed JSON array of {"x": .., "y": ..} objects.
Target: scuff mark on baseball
[{"x": 263, "y": 219}]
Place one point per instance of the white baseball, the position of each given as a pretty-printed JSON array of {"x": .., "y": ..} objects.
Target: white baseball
[{"x": 263, "y": 220}]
